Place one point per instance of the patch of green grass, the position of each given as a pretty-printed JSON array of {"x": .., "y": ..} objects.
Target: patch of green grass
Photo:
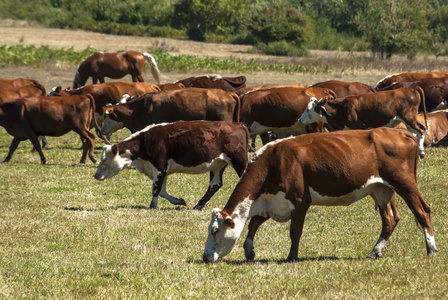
[
  {"x": 37, "y": 56},
  {"x": 65, "y": 235}
]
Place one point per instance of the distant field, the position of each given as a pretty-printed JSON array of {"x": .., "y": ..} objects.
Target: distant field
[{"x": 64, "y": 235}]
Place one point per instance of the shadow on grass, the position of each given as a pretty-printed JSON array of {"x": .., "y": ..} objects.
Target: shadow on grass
[
  {"x": 278, "y": 261},
  {"x": 142, "y": 207}
]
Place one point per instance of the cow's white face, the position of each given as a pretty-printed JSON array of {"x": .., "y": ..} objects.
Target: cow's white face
[
  {"x": 111, "y": 163},
  {"x": 110, "y": 126},
  {"x": 310, "y": 115},
  {"x": 221, "y": 237}
]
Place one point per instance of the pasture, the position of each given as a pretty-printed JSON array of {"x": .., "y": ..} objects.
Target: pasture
[{"x": 65, "y": 235}]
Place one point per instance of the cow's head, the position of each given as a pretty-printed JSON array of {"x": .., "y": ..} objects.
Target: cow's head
[
  {"x": 314, "y": 111},
  {"x": 109, "y": 125},
  {"x": 112, "y": 162},
  {"x": 222, "y": 236}
]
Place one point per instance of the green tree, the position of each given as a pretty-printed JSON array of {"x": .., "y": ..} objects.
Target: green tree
[{"x": 395, "y": 26}]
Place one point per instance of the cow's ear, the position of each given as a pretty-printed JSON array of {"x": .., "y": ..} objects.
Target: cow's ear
[
  {"x": 108, "y": 110},
  {"x": 58, "y": 89},
  {"x": 227, "y": 219},
  {"x": 114, "y": 149}
]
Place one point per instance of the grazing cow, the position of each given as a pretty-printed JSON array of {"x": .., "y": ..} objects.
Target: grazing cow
[
  {"x": 388, "y": 80},
  {"x": 435, "y": 89},
  {"x": 109, "y": 92},
  {"x": 170, "y": 106},
  {"x": 116, "y": 66},
  {"x": 387, "y": 108},
  {"x": 214, "y": 81},
  {"x": 26, "y": 118},
  {"x": 17, "y": 82},
  {"x": 12, "y": 93},
  {"x": 330, "y": 169},
  {"x": 344, "y": 89},
  {"x": 278, "y": 109},
  {"x": 191, "y": 147}
]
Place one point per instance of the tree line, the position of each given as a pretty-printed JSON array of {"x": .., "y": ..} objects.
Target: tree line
[{"x": 278, "y": 27}]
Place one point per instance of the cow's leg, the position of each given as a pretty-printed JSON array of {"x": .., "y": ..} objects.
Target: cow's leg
[
  {"x": 421, "y": 210},
  {"x": 252, "y": 143},
  {"x": 15, "y": 142},
  {"x": 385, "y": 200},
  {"x": 159, "y": 188},
  {"x": 264, "y": 138},
  {"x": 214, "y": 185},
  {"x": 296, "y": 227},
  {"x": 88, "y": 145},
  {"x": 254, "y": 224}
]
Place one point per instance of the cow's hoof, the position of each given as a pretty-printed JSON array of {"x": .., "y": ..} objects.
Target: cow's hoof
[
  {"x": 249, "y": 250},
  {"x": 373, "y": 255},
  {"x": 180, "y": 202},
  {"x": 422, "y": 154},
  {"x": 198, "y": 207},
  {"x": 93, "y": 159}
]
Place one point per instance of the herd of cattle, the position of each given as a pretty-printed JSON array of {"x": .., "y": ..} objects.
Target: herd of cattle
[{"x": 205, "y": 123}]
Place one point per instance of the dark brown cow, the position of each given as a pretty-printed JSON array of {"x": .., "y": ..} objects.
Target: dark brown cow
[
  {"x": 12, "y": 93},
  {"x": 285, "y": 177},
  {"x": 435, "y": 89},
  {"x": 344, "y": 89},
  {"x": 192, "y": 147},
  {"x": 388, "y": 80},
  {"x": 109, "y": 92},
  {"x": 116, "y": 66},
  {"x": 17, "y": 82},
  {"x": 170, "y": 106},
  {"x": 278, "y": 109},
  {"x": 27, "y": 118},
  {"x": 387, "y": 108},
  {"x": 214, "y": 81}
]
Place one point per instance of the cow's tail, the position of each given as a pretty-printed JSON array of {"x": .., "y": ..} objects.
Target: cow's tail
[
  {"x": 422, "y": 98},
  {"x": 95, "y": 123},
  {"x": 154, "y": 68},
  {"x": 236, "y": 111}
]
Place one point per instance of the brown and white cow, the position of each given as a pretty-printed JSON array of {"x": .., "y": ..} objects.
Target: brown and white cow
[
  {"x": 28, "y": 118},
  {"x": 386, "y": 108},
  {"x": 192, "y": 147},
  {"x": 435, "y": 89},
  {"x": 170, "y": 106},
  {"x": 108, "y": 92},
  {"x": 344, "y": 89},
  {"x": 388, "y": 80},
  {"x": 278, "y": 109},
  {"x": 12, "y": 93},
  {"x": 215, "y": 81},
  {"x": 285, "y": 177}
]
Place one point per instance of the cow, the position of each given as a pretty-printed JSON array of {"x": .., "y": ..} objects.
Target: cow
[
  {"x": 435, "y": 89},
  {"x": 12, "y": 93},
  {"x": 386, "y": 108},
  {"x": 215, "y": 81},
  {"x": 249, "y": 89},
  {"x": 171, "y": 86},
  {"x": 278, "y": 109},
  {"x": 169, "y": 106},
  {"x": 191, "y": 147},
  {"x": 17, "y": 82},
  {"x": 27, "y": 118},
  {"x": 108, "y": 92},
  {"x": 388, "y": 80},
  {"x": 343, "y": 89},
  {"x": 339, "y": 168}
]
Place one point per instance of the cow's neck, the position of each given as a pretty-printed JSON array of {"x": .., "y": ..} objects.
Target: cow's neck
[{"x": 332, "y": 110}]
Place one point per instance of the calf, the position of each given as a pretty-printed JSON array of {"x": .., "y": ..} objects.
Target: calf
[
  {"x": 26, "y": 118},
  {"x": 388, "y": 80},
  {"x": 387, "y": 108},
  {"x": 170, "y": 106},
  {"x": 17, "y": 82},
  {"x": 344, "y": 89},
  {"x": 191, "y": 147},
  {"x": 331, "y": 169}
]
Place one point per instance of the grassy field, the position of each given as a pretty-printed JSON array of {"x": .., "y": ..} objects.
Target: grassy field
[{"x": 65, "y": 235}]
